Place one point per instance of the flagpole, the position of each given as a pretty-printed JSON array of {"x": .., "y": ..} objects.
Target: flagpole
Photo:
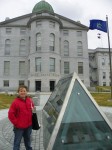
[{"x": 109, "y": 54}]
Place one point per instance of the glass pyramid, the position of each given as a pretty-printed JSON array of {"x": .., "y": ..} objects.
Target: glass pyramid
[{"x": 73, "y": 120}]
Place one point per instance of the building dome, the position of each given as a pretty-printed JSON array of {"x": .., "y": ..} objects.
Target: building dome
[{"x": 42, "y": 6}]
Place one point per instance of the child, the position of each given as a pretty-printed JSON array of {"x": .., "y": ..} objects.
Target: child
[{"x": 20, "y": 115}]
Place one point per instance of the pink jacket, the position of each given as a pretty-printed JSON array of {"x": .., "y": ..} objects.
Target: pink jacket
[{"x": 20, "y": 112}]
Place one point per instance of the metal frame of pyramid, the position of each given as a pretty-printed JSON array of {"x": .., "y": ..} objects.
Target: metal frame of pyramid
[{"x": 57, "y": 125}]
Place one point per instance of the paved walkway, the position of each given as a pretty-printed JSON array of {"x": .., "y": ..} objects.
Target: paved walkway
[{"x": 7, "y": 136}]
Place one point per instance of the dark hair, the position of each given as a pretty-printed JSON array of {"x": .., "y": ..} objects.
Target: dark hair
[{"x": 22, "y": 86}]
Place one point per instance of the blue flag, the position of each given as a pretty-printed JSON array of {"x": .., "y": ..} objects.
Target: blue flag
[{"x": 98, "y": 24}]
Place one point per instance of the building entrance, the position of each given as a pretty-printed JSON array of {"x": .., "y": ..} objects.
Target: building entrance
[
  {"x": 37, "y": 85},
  {"x": 52, "y": 85}
]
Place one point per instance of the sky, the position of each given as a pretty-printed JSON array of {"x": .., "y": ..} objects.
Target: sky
[{"x": 77, "y": 10}]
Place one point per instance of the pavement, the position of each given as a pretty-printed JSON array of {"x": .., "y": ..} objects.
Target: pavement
[
  {"x": 6, "y": 128},
  {"x": 7, "y": 135}
]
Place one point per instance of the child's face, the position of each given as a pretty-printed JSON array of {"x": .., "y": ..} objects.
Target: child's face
[{"x": 22, "y": 92}]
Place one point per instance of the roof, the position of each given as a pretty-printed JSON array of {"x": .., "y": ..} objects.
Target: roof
[{"x": 42, "y": 6}]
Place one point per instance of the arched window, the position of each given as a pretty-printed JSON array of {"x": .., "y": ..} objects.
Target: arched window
[
  {"x": 52, "y": 42},
  {"x": 7, "y": 46},
  {"x": 66, "y": 48},
  {"x": 79, "y": 48},
  {"x": 22, "y": 48},
  {"x": 38, "y": 42}
]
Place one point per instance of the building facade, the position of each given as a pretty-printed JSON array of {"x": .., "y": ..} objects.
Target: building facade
[
  {"x": 39, "y": 48},
  {"x": 99, "y": 66}
]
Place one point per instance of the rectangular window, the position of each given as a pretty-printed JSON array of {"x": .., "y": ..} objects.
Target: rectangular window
[
  {"x": 38, "y": 64},
  {"x": 38, "y": 42},
  {"x": 51, "y": 48},
  {"x": 52, "y": 24},
  {"x": 7, "y": 49},
  {"x": 22, "y": 30},
  {"x": 104, "y": 83},
  {"x": 66, "y": 67},
  {"x": 21, "y": 82},
  {"x": 8, "y": 30},
  {"x": 52, "y": 64},
  {"x": 22, "y": 48},
  {"x": 103, "y": 61},
  {"x": 22, "y": 68},
  {"x": 38, "y": 24},
  {"x": 104, "y": 75},
  {"x": 80, "y": 50},
  {"x": 80, "y": 67},
  {"x": 6, "y": 67},
  {"x": 79, "y": 33},
  {"x": 6, "y": 83},
  {"x": 65, "y": 32}
]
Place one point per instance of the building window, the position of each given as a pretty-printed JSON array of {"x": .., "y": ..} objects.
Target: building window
[
  {"x": 23, "y": 30},
  {"x": 104, "y": 75},
  {"x": 79, "y": 33},
  {"x": 79, "y": 48},
  {"x": 8, "y": 30},
  {"x": 104, "y": 83},
  {"x": 22, "y": 68},
  {"x": 52, "y": 64},
  {"x": 6, "y": 67},
  {"x": 22, "y": 48},
  {"x": 66, "y": 67},
  {"x": 52, "y": 42},
  {"x": 6, "y": 83},
  {"x": 7, "y": 46},
  {"x": 38, "y": 42},
  {"x": 52, "y": 24},
  {"x": 65, "y": 32},
  {"x": 21, "y": 82},
  {"x": 38, "y": 64},
  {"x": 80, "y": 67},
  {"x": 66, "y": 48},
  {"x": 38, "y": 24},
  {"x": 103, "y": 61}
]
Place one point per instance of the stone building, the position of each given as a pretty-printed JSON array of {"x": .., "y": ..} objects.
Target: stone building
[
  {"x": 99, "y": 66},
  {"x": 37, "y": 49}
]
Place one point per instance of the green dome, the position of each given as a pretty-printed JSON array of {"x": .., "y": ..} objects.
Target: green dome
[{"x": 43, "y": 6}]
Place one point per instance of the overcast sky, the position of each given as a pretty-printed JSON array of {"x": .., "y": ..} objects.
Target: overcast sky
[{"x": 77, "y": 10}]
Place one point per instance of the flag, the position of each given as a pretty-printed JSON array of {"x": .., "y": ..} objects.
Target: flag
[{"x": 98, "y": 24}]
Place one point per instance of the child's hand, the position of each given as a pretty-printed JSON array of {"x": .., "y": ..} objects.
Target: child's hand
[{"x": 34, "y": 109}]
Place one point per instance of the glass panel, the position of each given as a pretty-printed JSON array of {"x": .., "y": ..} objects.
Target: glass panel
[
  {"x": 82, "y": 126},
  {"x": 53, "y": 107}
]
